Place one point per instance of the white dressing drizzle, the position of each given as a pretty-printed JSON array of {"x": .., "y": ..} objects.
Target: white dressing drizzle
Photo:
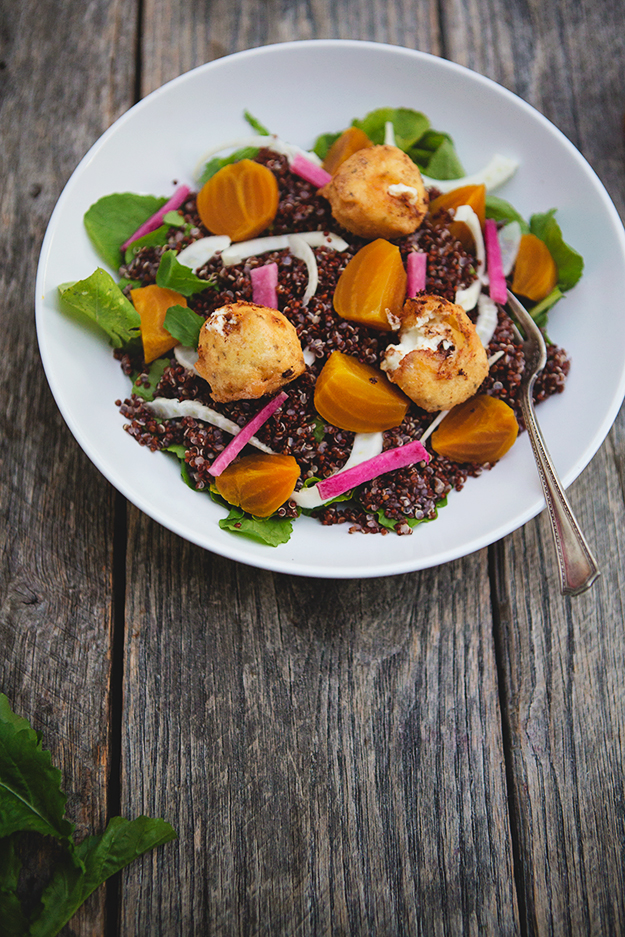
[
  {"x": 494, "y": 174},
  {"x": 168, "y": 409}
]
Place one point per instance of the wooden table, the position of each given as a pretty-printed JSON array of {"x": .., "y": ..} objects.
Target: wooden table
[{"x": 432, "y": 753}]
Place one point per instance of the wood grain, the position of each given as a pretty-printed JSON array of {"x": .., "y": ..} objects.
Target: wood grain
[
  {"x": 314, "y": 745},
  {"x": 57, "y": 532},
  {"x": 564, "y": 712}
]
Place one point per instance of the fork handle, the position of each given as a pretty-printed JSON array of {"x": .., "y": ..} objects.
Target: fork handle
[{"x": 578, "y": 567}]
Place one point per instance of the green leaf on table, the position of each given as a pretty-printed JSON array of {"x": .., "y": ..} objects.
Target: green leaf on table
[
  {"x": 31, "y": 798},
  {"x": 101, "y": 856},
  {"x": 114, "y": 218},
  {"x": 500, "y": 210},
  {"x": 435, "y": 154},
  {"x": 173, "y": 275},
  {"x": 14, "y": 921},
  {"x": 218, "y": 162},
  {"x": 255, "y": 124},
  {"x": 184, "y": 325},
  {"x": 99, "y": 299},
  {"x": 156, "y": 238},
  {"x": 569, "y": 262},
  {"x": 271, "y": 531},
  {"x": 409, "y": 125}
]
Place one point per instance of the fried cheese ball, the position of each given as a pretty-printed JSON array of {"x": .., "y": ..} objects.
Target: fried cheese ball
[
  {"x": 440, "y": 360},
  {"x": 246, "y": 351},
  {"x": 378, "y": 192}
]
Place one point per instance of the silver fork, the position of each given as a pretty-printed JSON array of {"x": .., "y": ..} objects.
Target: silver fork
[{"x": 578, "y": 567}]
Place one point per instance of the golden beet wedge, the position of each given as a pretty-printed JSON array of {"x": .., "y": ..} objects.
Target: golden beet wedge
[
  {"x": 357, "y": 396},
  {"x": 240, "y": 200},
  {"x": 372, "y": 286},
  {"x": 259, "y": 483},
  {"x": 481, "y": 429},
  {"x": 152, "y": 303},
  {"x": 535, "y": 271}
]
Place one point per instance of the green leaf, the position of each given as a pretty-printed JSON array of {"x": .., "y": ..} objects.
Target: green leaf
[
  {"x": 30, "y": 788},
  {"x": 14, "y": 921},
  {"x": 102, "y": 856},
  {"x": 271, "y": 531},
  {"x": 256, "y": 124},
  {"x": 391, "y": 523},
  {"x": 180, "y": 452},
  {"x": 500, "y": 210},
  {"x": 175, "y": 276},
  {"x": 408, "y": 125},
  {"x": 569, "y": 262},
  {"x": 115, "y": 218},
  {"x": 323, "y": 143},
  {"x": 444, "y": 162},
  {"x": 320, "y": 429},
  {"x": 155, "y": 372},
  {"x": 184, "y": 325},
  {"x": 99, "y": 299},
  {"x": 214, "y": 165},
  {"x": 156, "y": 238},
  {"x": 174, "y": 219}
]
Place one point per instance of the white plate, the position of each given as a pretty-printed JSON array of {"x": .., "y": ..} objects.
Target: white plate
[{"x": 299, "y": 90}]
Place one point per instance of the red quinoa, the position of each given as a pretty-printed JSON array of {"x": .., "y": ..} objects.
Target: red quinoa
[{"x": 409, "y": 494}]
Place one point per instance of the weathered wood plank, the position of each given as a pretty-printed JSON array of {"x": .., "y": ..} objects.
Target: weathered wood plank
[
  {"x": 564, "y": 707},
  {"x": 57, "y": 531},
  {"x": 328, "y": 751}
]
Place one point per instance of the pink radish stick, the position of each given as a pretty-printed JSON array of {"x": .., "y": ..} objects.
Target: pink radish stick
[
  {"x": 156, "y": 220},
  {"x": 498, "y": 287},
  {"x": 416, "y": 268},
  {"x": 310, "y": 171},
  {"x": 244, "y": 435},
  {"x": 265, "y": 285},
  {"x": 387, "y": 461}
]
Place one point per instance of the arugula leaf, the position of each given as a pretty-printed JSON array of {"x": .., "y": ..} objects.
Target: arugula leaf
[
  {"x": 175, "y": 276},
  {"x": 156, "y": 238},
  {"x": 435, "y": 154},
  {"x": 408, "y": 125},
  {"x": 391, "y": 523},
  {"x": 180, "y": 452},
  {"x": 174, "y": 219},
  {"x": 256, "y": 124},
  {"x": 271, "y": 531},
  {"x": 114, "y": 218},
  {"x": 99, "y": 299},
  {"x": 500, "y": 210},
  {"x": 14, "y": 921},
  {"x": 184, "y": 324},
  {"x": 218, "y": 162},
  {"x": 101, "y": 856},
  {"x": 320, "y": 429},
  {"x": 31, "y": 800},
  {"x": 569, "y": 262},
  {"x": 155, "y": 372},
  {"x": 323, "y": 143},
  {"x": 30, "y": 788}
]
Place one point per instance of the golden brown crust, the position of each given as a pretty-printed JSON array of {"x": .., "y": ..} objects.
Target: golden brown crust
[
  {"x": 360, "y": 199},
  {"x": 440, "y": 361},
  {"x": 246, "y": 351}
]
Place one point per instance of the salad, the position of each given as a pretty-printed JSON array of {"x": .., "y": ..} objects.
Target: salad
[{"x": 324, "y": 332}]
